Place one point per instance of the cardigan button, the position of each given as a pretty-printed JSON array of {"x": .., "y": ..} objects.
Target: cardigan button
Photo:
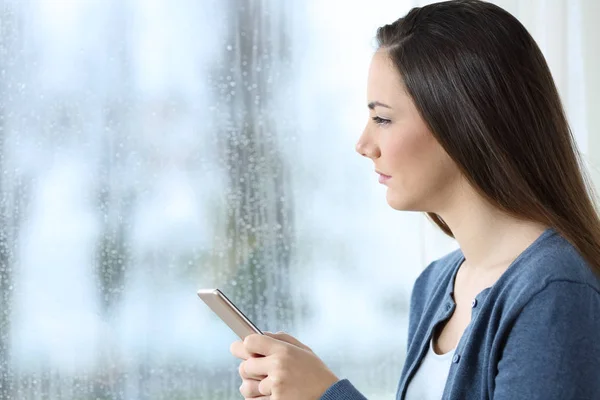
[
  {"x": 456, "y": 359},
  {"x": 474, "y": 303},
  {"x": 448, "y": 306}
]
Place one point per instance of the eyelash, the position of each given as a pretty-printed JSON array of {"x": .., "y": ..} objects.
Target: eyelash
[{"x": 381, "y": 121}]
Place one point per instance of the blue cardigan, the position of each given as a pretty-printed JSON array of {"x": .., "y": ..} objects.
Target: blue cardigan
[{"x": 534, "y": 334}]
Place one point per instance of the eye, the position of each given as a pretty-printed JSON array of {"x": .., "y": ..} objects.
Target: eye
[{"x": 381, "y": 121}]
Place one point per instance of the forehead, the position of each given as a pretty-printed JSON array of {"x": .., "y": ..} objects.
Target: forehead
[{"x": 384, "y": 81}]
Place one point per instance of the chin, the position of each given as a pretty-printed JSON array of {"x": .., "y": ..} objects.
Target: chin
[{"x": 400, "y": 203}]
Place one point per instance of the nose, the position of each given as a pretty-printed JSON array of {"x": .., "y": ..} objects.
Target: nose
[{"x": 366, "y": 147}]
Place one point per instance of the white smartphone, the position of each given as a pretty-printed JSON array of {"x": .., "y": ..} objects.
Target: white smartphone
[{"x": 228, "y": 312}]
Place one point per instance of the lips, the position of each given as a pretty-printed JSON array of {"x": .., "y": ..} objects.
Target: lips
[
  {"x": 383, "y": 175},
  {"x": 383, "y": 178}
]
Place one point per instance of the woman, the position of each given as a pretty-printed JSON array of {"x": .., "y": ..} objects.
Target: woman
[{"x": 467, "y": 125}]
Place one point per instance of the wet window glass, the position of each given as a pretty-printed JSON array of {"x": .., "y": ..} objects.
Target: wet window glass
[{"x": 152, "y": 148}]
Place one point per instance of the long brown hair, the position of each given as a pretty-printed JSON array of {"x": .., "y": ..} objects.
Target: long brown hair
[{"x": 482, "y": 85}]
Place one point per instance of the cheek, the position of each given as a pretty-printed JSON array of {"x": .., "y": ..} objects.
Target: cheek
[
  {"x": 408, "y": 155},
  {"x": 419, "y": 167}
]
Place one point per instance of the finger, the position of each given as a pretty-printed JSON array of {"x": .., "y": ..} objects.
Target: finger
[
  {"x": 256, "y": 368},
  {"x": 238, "y": 350},
  {"x": 244, "y": 374},
  {"x": 249, "y": 389},
  {"x": 284, "y": 337},
  {"x": 265, "y": 386},
  {"x": 262, "y": 344}
]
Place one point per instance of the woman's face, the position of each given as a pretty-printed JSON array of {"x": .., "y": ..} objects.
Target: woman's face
[{"x": 417, "y": 171}]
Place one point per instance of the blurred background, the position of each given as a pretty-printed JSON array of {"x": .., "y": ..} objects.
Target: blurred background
[{"x": 150, "y": 148}]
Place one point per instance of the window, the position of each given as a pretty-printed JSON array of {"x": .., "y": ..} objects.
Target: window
[{"x": 149, "y": 149}]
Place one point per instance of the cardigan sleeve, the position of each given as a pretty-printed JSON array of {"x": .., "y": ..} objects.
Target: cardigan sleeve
[
  {"x": 342, "y": 390},
  {"x": 552, "y": 350}
]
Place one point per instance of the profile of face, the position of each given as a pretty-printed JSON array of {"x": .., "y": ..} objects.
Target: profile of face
[{"x": 417, "y": 171}]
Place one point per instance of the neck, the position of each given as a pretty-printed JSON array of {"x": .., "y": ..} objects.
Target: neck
[{"x": 487, "y": 237}]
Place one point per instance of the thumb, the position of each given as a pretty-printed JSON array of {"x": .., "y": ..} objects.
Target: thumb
[{"x": 284, "y": 337}]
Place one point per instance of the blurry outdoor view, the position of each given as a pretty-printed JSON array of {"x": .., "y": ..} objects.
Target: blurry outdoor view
[{"x": 150, "y": 148}]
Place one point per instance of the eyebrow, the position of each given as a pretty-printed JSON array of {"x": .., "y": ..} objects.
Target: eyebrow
[{"x": 374, "y": 104}]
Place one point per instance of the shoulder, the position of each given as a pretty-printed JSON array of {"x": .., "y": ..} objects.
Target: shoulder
[
  {"x": 545, "y": 322},
  {"x": 545, "y": 325},
  {"x": 555, "y": 263},
  {"x": 550, "y": 284}
]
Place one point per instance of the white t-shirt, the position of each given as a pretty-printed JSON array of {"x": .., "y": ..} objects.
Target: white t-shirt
[{"x": 429, "y": 380}]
